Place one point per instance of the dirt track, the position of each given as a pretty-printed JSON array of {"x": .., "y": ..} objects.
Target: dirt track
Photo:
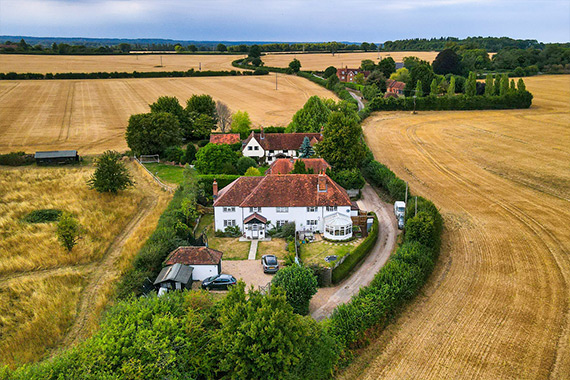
[{"x": 497, "y": 304}]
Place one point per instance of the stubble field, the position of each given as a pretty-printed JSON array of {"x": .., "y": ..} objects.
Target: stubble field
[
  {"x": 91, "y": 115},
  {"x": 497, "y": 304}
]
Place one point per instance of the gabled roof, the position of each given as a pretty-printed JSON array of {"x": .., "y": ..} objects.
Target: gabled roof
[
  {"x": 225, "y": 138},
  {"x": 255, "y": 216},
  {"x": 177, "y": 273},
  {"x": 282, "y": 141},
  {"x": 275, "y": 190},
  {"x": 285, "y": 165},
  {"x": 56, "y": 154},
  {"x": 394, "y": 84},
  {"x": 194, "y": 256}
]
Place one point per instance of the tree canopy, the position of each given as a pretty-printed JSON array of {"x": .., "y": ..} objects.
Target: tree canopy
[
  {"x": 311, "y": 118},
  {"x": 241, "y": 123},
  {"x": 299, "y": 283},
  {"x": 152, "y": 133},
  {"x": 212, "y": 158},
  {"x": 446, "y": 62},
  {"x": 295, "y": 65},
  {"x": 111, "y": 175}
]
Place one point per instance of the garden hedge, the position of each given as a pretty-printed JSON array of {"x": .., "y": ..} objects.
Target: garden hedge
[
  {"x": 207, "y": 181},
  {"x": 343, "y": 270}
]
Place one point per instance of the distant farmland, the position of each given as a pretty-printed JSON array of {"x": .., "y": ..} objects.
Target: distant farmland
[
  {"x": 92, "y": 115},
  {"x": 496, "y": 306}
]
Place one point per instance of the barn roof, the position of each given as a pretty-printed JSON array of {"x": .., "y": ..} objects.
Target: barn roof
[
  {"x": 56, "y": 154},
  {"x": 225, "y": 138},
  {"x": 177, "y": 273},
  {"x": 194, "y": 256},
  {"x": 282, "y": 141}
]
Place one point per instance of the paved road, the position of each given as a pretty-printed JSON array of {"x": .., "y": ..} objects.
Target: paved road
[
  {"x": 357, "y": 98},
  {"x": 327, "y": 299}
]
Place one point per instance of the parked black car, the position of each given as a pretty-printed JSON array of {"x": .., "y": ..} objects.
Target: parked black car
[
  {"x": 219, "y": 282},
  {"x": 270, "y": 264}
]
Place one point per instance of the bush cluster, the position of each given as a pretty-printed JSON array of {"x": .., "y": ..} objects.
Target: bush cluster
[
  {"x": 342, "y": 271},
  {"x": 134, "y": 74},
  {"x": 16, "y": 159},
  {"x": 206, "y": 181},
  {"x": 338, "y": 88},
  {"x": 43, "y": 216},
  {"x": 379, "y": 175},
  {"x": 518, "y": 99}
]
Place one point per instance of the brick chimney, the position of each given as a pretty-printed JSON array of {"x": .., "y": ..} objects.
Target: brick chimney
[
  {"x": 215, "y": 189},
  {"x": 262, "y": 134},
  {"x": 322, "y": 184}
]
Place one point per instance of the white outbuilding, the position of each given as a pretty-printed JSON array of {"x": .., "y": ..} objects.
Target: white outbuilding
[{"x": 205, "y": 262}]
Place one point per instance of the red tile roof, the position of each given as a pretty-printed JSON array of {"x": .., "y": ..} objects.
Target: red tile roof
[
  {"x": 285, "y": 165},
  {"x": 255, "y": 216},
  {"x": 275, "y": 190},
  {"x": 194, "y": 256},
  {"x": 282, "y": 141},
  {"x": 394, "y": 84},
  {"x": 224, "y": 138}
]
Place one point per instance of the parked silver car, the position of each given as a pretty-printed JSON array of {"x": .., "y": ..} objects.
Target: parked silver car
[
  {"x": 401, "y": 222},
  {"x": 270, "y": 264}
]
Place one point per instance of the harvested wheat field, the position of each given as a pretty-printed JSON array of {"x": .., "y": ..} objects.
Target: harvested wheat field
[
  {"x": 49, "y": 295},
  {"x": 496, "y": 306},
  {"x": 321, "y": 61},
  {"x": 22, "y": 63},
  {"x": 91, "y": 115}
]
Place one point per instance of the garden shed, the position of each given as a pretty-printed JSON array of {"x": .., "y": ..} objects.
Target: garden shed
[
  {"x": 57, "y": 157},
  {"x": 174, "y": 277},
  {"x": 204, "y": 261}
]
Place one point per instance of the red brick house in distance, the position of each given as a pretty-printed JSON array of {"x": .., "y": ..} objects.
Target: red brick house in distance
[
  {"x": 395, "y": 87},
  {"x": 349, "y": 75}
]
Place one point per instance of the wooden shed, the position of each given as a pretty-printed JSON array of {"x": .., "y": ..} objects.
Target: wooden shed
[
  {"x": 57, "y": 157},
  {"x": 174, "y": 277}
]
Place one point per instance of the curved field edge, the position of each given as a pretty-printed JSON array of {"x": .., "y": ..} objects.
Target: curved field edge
[{"x": 497, "y": 303}]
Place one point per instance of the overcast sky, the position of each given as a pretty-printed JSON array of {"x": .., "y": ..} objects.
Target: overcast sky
[{"x": 287, "y": 20}]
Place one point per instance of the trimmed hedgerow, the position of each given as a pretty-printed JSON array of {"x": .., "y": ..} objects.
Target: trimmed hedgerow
[{"x": 43, "y": 216}]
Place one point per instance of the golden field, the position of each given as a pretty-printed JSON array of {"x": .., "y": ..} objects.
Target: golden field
[
  {"x": 91, "y": 115},
  {"x": 48, "y": 295},
  {"x": 320, "y": 61},
  {"x": 497, "y": 304},
  {"x": 21, "y": 63}
]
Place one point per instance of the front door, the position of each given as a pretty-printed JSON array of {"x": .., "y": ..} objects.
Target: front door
[{"x": 255, "y": 231}]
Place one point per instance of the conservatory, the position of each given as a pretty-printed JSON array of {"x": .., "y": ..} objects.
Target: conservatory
[{"x": 338, "y": 227}]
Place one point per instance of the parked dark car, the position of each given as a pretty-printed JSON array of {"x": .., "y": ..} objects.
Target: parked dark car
[
  {"x": 270, "y": 264},
  {"x": 401, "y": 222},
  {"x": 219, "y": 282}
]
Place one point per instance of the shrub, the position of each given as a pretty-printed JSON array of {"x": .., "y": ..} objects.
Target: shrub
[
  {"x": 244, "y": 163},
  {"x": 285, "y": 231},
  {"x": 348, "y": 179},
  {"x": 111, "y": 174},
  {"x": 174, "y": 154},
  {"x": 252, "y": 172},
  {"x": 190, "y": 154},
  {"x": 43, "y": 216},
  {"x": 397, "y": 189},
  {"x": 16, "y": 159},
  {"x": 229, "y": 231},
  {"x": 340, "y": 272},
  {"x": 68, "y": 231},
  {"x": 421, "y": 229},
  {"x": 206, "y": 181},
  {"x": 300, "y": 284},
  {"x": 214, "y": 158}
]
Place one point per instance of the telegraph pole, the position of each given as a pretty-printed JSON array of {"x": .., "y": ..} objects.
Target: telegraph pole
[
  {"x": 406, "y": 198},
  {"x": 275, "y": 81}
]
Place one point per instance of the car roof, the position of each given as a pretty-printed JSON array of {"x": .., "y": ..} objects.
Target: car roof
[
  {"x": 268, "y": 256},
  {"x": 225, "y": 276}
]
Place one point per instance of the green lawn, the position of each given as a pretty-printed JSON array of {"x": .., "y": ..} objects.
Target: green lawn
[
  {"x": 167, "y": 173},
  {"x": 232, "y": 248},
  {"x": 315, "y": 253},
  {"x": 275, "y": 247}
]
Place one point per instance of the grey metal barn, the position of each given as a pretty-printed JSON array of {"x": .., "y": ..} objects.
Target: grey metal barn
[
  {"x": 57, "y": 157},
  {"x": 174, "y": 277}
]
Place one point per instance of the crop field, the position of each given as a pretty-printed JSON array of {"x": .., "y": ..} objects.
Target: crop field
[
  {"x": 20, "y": 63},
  {"x": 49, "y": 296},
  {"x": 321, "y": 61},
  {"x": 497, "y": 304},
  {"x": 91, "y": 115}
]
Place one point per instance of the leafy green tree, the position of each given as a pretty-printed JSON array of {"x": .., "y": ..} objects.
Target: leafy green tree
[
  {"x": 367, "y": 65},
  {"x": 359, "y": 78},
  {"x": 252, "y": 172},
  {"x": 471, "y": 85},
  {"x": 342, "y": 145},
  {"x": 421, "y": 228},
  {"x": 451, "y": 88},
  {"x": 497, "y": 86},
  {"x": 254, "y": 51},
  {"x": 221, "y": 47},
  {"x": 311, "y": 118},
  {"x": 300, "y": 285},
  {"x": 111, "y": 175},
  {"x": 447, "y": 61},
  {"x": 152, "y": 133},
  {"x": 244, "y": 163},
  {"x": 331, "y": 70},
  {"x": 299, "y": 167},
  {"x": 332, "y": 81},
  {"x": 211, "y": 158},
  {"x": 387, "y": 66},
  {"x": 174, "y": 154},
  {"x": 306, "y": 150},
  {"x": 68, "y": 231},
  {"x": 190, "y": 154},
  {"x": 202, "y": 125},
  {"x": 240, "y": 123},
  {"x": 489, "y": 90},
  {"x": 348, "y": 179},
  {"x": 295, "y": 65},
  {"x": 365, "y": 46},
  {"x": 434, "y": 88},
  {"x": 202, "y": 104},
  {"x": 521, "y": 86},
  {"x": 401, "y": 75},
  {"x": 377, "y": 77},
  {"x": 504, "y": 85},
  {"x": 370, "y": 92},
  {"x": 423, "y": 73},
  {"x": 419, "y": 89},
  {"x": 513, "y": 88},
  {"x": 192, "y": 48},
  {"x": 171, "y": 105}
]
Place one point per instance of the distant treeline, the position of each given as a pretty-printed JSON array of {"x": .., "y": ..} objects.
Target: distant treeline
[
  {"x": 491, "y": 44},
  {"x": 134, "y": 74}
]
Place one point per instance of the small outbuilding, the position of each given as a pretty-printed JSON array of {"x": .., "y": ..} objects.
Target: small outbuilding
[
  {"x": 204, "y": 261},
  {"x": 174, "y": 277},
  {"x": 57, "y": 157}
]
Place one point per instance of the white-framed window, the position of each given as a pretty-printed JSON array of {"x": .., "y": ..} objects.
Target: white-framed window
[
  {"x": 282, "y": 209},
  {"x": 311, "y": 209},
  {"x": 311, "y": 222},
  {"x": 281, "y": 223},
  {"x": 256, "y": 148},
  {"x": 331, "y": 208},
  {"x": 229, "y": 209},
  {"x": 255, "y": 209},
  {"x": 229, "y": 222},
  {"x": 271, "y": 152},
  {"x": 249, "y": 148}
]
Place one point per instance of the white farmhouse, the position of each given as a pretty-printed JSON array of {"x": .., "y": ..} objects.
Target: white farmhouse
[
  {"x": 276, "y": 145},
  {"x": 314, "y": 202}
]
